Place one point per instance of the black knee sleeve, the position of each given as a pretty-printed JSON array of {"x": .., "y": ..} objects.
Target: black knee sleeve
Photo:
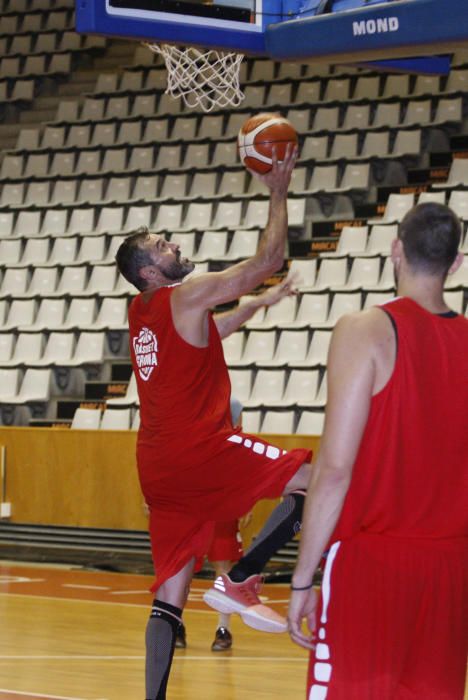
[
  {"x": 160, "y": 642},
  {"x": 282, "y": 525}
]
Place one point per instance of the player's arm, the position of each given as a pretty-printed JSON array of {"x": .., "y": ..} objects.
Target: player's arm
[
  {"x": 204, "y": 292},
  {"x": 351, "y": 382},
  {"x": 230, "y": 321}
]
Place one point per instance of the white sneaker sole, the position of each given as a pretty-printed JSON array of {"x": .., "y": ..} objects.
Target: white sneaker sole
[
  {"x": 263, "y": 624},
  {"x": 222, "y": 603}
]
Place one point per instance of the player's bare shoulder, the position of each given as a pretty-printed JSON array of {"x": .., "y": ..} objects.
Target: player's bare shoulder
[
  {"x": 369, "y": 325},
  {"x": 365, "y": 336}
]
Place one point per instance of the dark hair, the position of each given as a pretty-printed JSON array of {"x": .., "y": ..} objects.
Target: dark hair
[
  {"x": 131, "y": 257},
  {"x": 430, "y": 234}
]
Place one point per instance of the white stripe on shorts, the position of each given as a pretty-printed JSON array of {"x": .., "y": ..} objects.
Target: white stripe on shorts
[
  {"x": 270, "y": 451},
  {"x": 323, "y": 667}
]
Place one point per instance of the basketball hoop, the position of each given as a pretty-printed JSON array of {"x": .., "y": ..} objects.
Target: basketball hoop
[{"x": 206, "y": 79}]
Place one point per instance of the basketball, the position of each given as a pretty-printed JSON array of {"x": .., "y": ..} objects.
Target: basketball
[{"x": 258, "y": 136}]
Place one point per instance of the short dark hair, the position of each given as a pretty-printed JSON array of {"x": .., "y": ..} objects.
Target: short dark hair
[
  {"x": 131, "y": 257},
  {"x": 430, "y": 234}
]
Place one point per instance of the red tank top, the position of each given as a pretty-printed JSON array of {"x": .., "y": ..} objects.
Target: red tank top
[
  {"x": 410, "y": 477},
  {"x": 184, "y": 390}
]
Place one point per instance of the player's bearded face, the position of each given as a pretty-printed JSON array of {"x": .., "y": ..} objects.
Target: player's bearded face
[{"x": 177, "y": 268}]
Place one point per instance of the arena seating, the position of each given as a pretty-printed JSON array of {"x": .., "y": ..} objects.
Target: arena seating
[{"x": 92, "y": 148}]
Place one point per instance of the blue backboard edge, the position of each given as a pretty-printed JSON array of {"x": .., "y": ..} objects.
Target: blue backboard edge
[
  {"x": 331, "y": 36},
  {"x": 92, "y": 18}
]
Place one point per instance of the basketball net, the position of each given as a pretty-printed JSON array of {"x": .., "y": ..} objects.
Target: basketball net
[{"x": 206, "y": 79}]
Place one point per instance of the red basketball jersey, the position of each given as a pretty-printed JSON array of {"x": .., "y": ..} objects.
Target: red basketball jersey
[
  {"x": 410, "y": 477},
  {"x": 184, "y": 390}
]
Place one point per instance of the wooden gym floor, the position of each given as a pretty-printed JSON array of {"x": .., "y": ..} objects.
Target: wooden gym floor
[{"x": 73, "y": 634}]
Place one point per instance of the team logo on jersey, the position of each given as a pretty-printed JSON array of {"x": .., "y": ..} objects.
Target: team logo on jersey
[{"x": 146, "y": 348}]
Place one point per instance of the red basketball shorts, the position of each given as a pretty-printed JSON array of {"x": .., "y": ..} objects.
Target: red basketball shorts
[
  {"x": 186, "y": 504},
  {"x": 226, "y": 544},
  {"x": 392, "y": 624}
]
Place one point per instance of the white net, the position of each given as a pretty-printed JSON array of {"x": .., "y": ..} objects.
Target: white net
[{"x": 206, "y": 79}]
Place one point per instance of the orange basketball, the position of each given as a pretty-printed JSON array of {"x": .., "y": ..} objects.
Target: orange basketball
[{"x": 257, "y": 137}]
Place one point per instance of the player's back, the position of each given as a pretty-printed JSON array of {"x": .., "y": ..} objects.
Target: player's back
[{"x": 410, "y": 477}]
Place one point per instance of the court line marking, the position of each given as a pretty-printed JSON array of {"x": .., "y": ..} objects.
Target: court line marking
[
  {"x": 32, "y": 694},
  {"x": 108, "y": 602},
  {"x": 85, "y": 587},
  {"x": 89, "y": 657},
  {"x": 75, "y": 600}
]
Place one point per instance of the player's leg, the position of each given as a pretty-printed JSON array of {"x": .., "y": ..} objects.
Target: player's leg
[
  {"x": 392, "y": 622},
  {"x": 237, "y": 591},
  {"x": 300, "y": 480},
  {"x": 362, "y": 619},
  {"x": 165, "y": 618},
  {"x": 223, "y": 636},
  {"x": 261, "y": 471},
  {"x": 282, "y": 525}
]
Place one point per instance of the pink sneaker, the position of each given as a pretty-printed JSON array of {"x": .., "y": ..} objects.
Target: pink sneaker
[{"x": 228, "y": 597}]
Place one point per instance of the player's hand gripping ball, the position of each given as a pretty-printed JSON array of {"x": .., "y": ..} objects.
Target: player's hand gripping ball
[{"x": 259, "y": 135}]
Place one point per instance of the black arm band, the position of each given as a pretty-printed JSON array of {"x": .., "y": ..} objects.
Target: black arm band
[{"x": 301, "y": 588}]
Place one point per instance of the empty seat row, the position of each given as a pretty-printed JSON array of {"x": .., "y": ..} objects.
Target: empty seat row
[
  {"x": 125, "y": 188},
  {"x": 118, "y": 159},
  {"x": 397, "y": 111},
  {"x": 94, "y": 189},
  {"x": 18, "y": 92},
  {"x": 57, "y": 42},
  {"x": 305, "y": 422},
  {"x": 286, "y": 422},
  {"x": 32, "y": 5},
  {"x": 269, "y": 348},
  {"x": 375, "y": 86},
  {"x": 47, "y": 333},
  {"x": 64, "y": 349},
  {"x": 60, "y": 239},
  {"x": 306, "y": 119},
  {"x": 79, "y": 280},
  {"x": 386, "y": 114},
  {"x": 293, "y": 89},
  {"x": 114, "y": 146},
  {"x": 49, "y": 41},
  {"x": 70, "y": 250},
  {"x": 18, "y": 387},
  {"x": 318, "y": 309},
  {"x": 398, "y": 205},
  {"x": 279, "y": 387},
  {"x": 109, "y": 419},
  {"x": 150, "y": 159},
  {"x": 62, "y": 314},
  {"x": 300, "y": 334},
  {"x": 52, "y": 252},
  {"x": 363, "y": 144},
  {"x": 357, "y": 241},
  {"x": 39, "y": 65},
  {"x": 164, "y": 217},
  {"x": 35, "y": 20}
]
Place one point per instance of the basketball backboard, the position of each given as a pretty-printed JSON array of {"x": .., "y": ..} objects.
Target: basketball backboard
[
  {"x": 237, "y": 25},
  {"x": 294, "y": 30}
]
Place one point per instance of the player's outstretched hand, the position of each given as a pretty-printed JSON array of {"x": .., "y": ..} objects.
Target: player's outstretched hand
[
  {"x": 302, "y": 605},
  {"x": 274, "y": 294},
  {"x": 277, "y": 179}
]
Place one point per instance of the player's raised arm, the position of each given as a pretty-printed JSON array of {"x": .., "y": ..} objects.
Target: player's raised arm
[{"x": 206, "y": 291}]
